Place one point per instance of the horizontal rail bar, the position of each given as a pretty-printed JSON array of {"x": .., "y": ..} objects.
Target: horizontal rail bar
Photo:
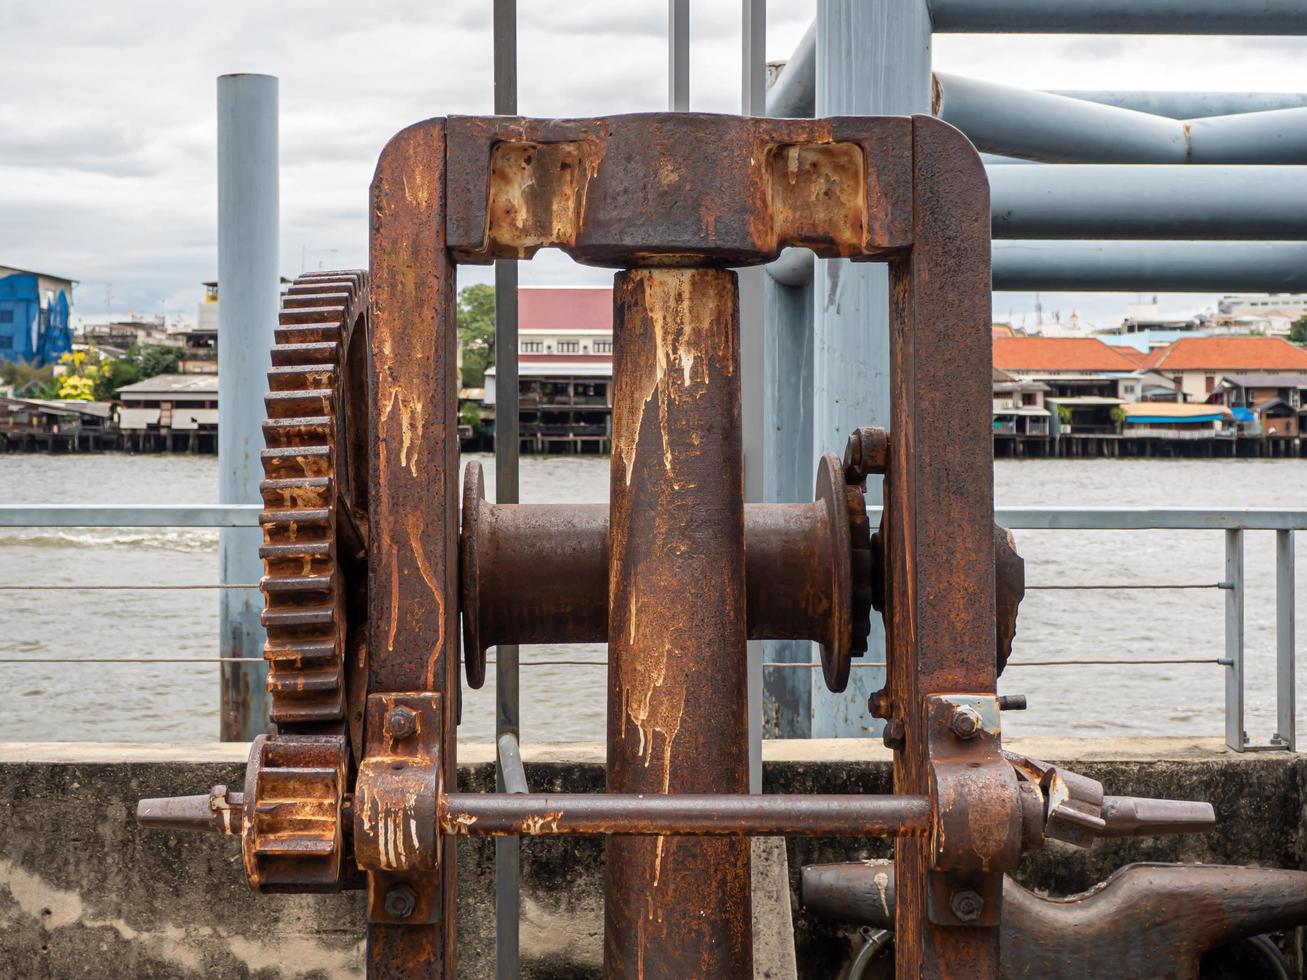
[
  {"x": 1209, "y": 17},
  {"x": 124, "y": 588},
  {"x": 579, "y": 814},
  {"x": 1034, "y": 125},
  {"x": 1189, "y": 105},
  {"x": 1048, "y": 518},
  {"x": 129, "y": 515},
  {"x": 1131, "y": 585},
  {"x": 1142, "y": 202}
]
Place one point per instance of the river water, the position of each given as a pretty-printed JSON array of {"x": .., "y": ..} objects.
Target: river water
[{"x": 67, "y": 701}]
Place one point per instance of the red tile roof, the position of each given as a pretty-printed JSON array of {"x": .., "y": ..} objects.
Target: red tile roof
[
  {"x": 1058, "y": 354},
  {"x": 1229, "y": 354},
  {"x": 565, "y": 308}
]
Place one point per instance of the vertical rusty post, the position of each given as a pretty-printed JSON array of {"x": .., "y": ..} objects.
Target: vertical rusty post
[
  {"x": 412, "y": 637},
  {"x": 677, "y": 682},
  {"x": 940, "y": 551}
]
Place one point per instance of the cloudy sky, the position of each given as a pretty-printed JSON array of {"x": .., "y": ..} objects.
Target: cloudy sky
[{"x": 107, "y": 130}]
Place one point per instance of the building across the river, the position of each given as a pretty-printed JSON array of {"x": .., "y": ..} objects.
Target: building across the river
[
  {"x": 565, "y": 369},
  {"x": 34, "y": 316}
]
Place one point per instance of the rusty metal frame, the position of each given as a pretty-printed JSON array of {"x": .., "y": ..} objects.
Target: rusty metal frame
[{"x": 911, "y": 191}]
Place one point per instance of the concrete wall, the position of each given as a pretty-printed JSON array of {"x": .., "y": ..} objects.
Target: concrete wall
[{"x": 84, "y": 893}]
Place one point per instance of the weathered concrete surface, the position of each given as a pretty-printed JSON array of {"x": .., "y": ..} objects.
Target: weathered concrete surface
[{"x": 84, "y": 893}]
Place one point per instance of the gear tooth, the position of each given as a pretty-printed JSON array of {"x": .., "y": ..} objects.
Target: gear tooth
[{"x": 305, "y": 609}]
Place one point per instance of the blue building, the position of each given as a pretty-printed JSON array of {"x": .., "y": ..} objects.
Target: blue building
[{"x": 34, "y": 316}]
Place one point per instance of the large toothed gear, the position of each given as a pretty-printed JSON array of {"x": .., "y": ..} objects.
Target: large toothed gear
[
  {"x": 315, "y": 499},
  {"x": 293, "y": 833}
]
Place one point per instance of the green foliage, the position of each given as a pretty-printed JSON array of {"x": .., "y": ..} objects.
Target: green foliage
[
  {"x": 27, "y": 381},
  {"x": 1298, "y": 331},
  {"x": 1064, "y": 414},
  {"x": 1118, "y": 414},
  {"x": 138, "y": 364},
  {"x": 469, "y": 414},
  {"x": 476, "y": 332}
]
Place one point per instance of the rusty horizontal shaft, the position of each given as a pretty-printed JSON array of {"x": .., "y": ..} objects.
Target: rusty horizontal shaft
[
  {"x": 542, "y": 572},
  {"x": 703, "y": 814}
]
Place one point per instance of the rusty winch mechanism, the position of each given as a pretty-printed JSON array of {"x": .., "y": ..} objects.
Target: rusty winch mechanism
[{"x": 367, "y": 574}]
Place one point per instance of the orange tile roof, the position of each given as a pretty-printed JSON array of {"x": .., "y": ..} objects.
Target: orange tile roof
[
  {"x": 1058, "y": 354},
  {"x": 1230, "y": 354}
]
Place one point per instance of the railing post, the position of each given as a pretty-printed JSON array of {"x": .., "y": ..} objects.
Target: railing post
[
  {"x": 1285, "y": 640},
  {"x": 1235, "y": 736},
  {"x": 247, "y": 316}
]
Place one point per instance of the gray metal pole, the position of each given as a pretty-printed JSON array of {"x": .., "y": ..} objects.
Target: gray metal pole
[
  {"x": 1286, "y": 699},
  {"x": 249, "y": 295},
  {"x": 787, "y": 409},
  {"x": 1149, "y": 202},
  {"x": 678, "y": 55},
  {"x": 1245, "y": 17},
  {"x": 1236, "y": 737},
  {"x": 1190, "y": 105},
  {"x": 508, "y": 850},
  {"x": 753, "y": 97},
  {"x": 873, "y": 58},
  {"x": 1035, "y": 125}
]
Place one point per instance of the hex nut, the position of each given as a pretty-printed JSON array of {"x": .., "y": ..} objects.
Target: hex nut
[
  {"x": 879, "y": 704},
  {"x": 966, "y": 905},
  {"x": 400, "y": 902},
  {"x": 401, "y": 723},
  {"x": 966, "y": 722}
]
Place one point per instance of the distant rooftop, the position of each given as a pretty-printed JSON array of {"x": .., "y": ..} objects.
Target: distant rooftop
[
  {"x": 1024, "y": 354},
  {"x": 1229, "y": 354},
  {"x": 565, "y": 308},
  {"x": 173, "y": 384}
]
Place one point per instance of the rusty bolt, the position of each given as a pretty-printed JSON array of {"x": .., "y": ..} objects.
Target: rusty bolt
[
  {"x": 401, "y": 723},
  {"x": 866, "y": 452},
  {"x": 401, "y": 901},
  {"x": 965, "y": 722},
  {"x": 892, "y": 734},
  {"x": 1012, "y": 702},
  {"x": 879, "y": 704},
  {"x": 966, "y": 905}
]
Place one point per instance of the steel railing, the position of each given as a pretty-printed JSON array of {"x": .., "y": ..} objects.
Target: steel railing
[{"x": 1234, "y": 522}]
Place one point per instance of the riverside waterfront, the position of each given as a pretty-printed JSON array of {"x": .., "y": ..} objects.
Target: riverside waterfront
[{"x": 176, "y": 702}]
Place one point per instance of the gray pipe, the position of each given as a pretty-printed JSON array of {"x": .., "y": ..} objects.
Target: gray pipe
[
  {"x": 1149, "y": 202},
  {"x": 1124, "y": 266},
  {"x": 1267, "y": 17},
  {"x": 1191, "y": 105},
  {"x": 1015, "y": 122},
  {"x": 794, "y": 93}
]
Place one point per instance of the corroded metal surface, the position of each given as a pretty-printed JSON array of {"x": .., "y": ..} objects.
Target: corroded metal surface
[
  {"x": 677, "y": 692},
  {"x": 413, "y": 502},
  {"x": 1146, "y": 921},
  {"x": 684, "y": 814},
  {"x": 292, "y": 832},
  {"x": 311, "y": 544},
  {"x": 538, "y": 573},
  {"x": 683, "y": 189},
  {"x": 939, "y": 509}
]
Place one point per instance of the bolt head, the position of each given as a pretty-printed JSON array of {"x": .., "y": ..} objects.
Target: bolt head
[
  {"x": 400, "y": 902},
  {"x": 879, "y": 704},
  {"x": 893, "y": 734},
  {"x": 966, "y": 905},
  {"x": 965, "y": 722},
  {"x": 401, "y": 723}
]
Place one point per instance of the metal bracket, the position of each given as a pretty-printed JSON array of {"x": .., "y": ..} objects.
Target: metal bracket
[
  {"x": 977, "y": 821},
  {"x": 395, "y": 797}
]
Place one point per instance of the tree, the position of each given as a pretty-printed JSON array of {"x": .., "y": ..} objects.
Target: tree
[
  {"x": 137, "y": 364},
  {"x": 476, "y": 332},
  {"x": 1298, "y": 331}
]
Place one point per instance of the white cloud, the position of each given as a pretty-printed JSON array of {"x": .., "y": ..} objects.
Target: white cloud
[{"x": 107, "y": 139}]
